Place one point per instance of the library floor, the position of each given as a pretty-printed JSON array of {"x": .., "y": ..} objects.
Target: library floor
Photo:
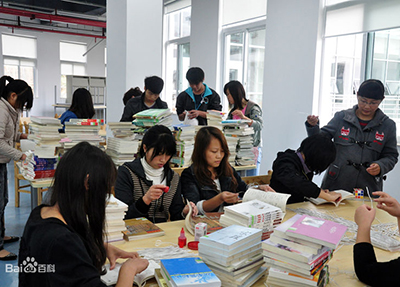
[{"x": 15, "y": 219}]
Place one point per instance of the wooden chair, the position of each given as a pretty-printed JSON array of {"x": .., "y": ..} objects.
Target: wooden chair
[{"x": 258, "y": 179}]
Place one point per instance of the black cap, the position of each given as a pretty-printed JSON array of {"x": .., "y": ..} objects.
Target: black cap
[
  {"x": 372, "y": 89},
  {"x": 154, "y": 84}
]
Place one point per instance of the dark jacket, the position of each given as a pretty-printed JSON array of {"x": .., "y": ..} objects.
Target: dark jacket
[
  {"x": 374, "y": 273},
  {"x": 195, "y": 192},
  {"x": 132, "y": 185},
  {"x": 357, "y": 148},
  {"x": 186, "y": 102},
  {"x": 56, "y": 247},
  {"x": 289, "y": 177},
  {"x": 135, "y": 105}
]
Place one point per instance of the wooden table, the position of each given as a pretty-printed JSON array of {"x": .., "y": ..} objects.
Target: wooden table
[{"x": 341, "y": 264}]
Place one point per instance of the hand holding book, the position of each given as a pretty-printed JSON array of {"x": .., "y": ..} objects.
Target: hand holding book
[{"x": 330, "y": 195}]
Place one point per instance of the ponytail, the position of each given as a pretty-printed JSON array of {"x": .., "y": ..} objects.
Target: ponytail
[{"x": 20, "y": 87}]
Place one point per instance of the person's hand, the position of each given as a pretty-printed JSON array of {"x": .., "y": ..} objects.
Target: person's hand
[
  {"x": 229, "y": 197},
  {"x": 238, "y": 113},
  {"x": 364, "y": 216},
  {"x": 330, "y": 195},
  {"x": 312, "y": 120},
  {"x": 387, "y": 203},
  {"x": 193, "y": 114},
  {"x": 129, "y": 269},
  {"x": 266, "y": 187},
  {"x": 23, "y": 136},
  {"x": 23, "y": 157},
  {"x": 374, "y": 169},
  {"x": 195, "y": 211},
  {"x": 113, "y": 253},
  {"x": 154, "y": 193}
]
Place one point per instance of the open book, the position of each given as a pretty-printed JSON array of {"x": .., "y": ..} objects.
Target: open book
[
  {"x": 274, "y": 198},
  {"x": 190, "y": 222},
  {"x": 345, "y": 195},
  {"x": 111, "y": 277}
]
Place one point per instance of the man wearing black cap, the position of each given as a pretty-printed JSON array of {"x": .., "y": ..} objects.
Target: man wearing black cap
[
  {"x": 365, "y": 140},
  {"x": 150, "y": 99}
]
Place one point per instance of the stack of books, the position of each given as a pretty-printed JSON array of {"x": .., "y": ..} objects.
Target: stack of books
[
  {"x": 181, "y": 272},
  {"x": 300, "y": 249},
  {"x": 122, "y": 130},
  {"x": 152, "y": 117},
  {"x": 115, "y": 213},
  {"x": 44, "y": 132},
  {"x": 240, "y": 130},
  {"x": 78, "y": 130},
  {"x": 34, "y": 167},
  {"x": 139, "y": 228},
  {"x": 184, "y": 136},
  {"x": 214, "y": 118},
  {"x": 121, "y": 150},
  {"x": 255, "y": 214},
  {"x": 234, "y": 254}
]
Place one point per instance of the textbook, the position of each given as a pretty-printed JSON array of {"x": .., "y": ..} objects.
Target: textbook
[
  {"x": 141, "y": 227},
  {"x": 160, "y": 279},
  {"x": 111, "y": 277},
  {"x": 190, "y": 222},
  {"x": 152, "y": 113},
  {"x": 274, "y": 198},
  {"x": 188, "y": 272},
  {"x": 345, "y": 195},
  {"x": 232, "y": 236},
  {"x": 292, "y": 279},
  {"x": 318, "y": 230}
]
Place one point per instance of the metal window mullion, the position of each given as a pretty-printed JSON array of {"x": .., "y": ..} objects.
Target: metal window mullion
[{"x": 245, "y": 58}]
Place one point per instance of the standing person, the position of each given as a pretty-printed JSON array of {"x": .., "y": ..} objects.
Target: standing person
[
  {"x": 150, "y": 99},
  {"x": 211, "y": 182},
  {"x": 197, "y": 99},
  {"x": 365, "y": 140},
  {"x": 81, "y": 107},
  {"x": 245, "y": 109},
  {"x": 131, "y": 93},
  {"x": 141, "y": 183},
  {"x": 15, "y": 96},
  {"x": 293, "y": 170},
  {"x": 69, "y": 233},
  {"x": 367, "y": 268}
]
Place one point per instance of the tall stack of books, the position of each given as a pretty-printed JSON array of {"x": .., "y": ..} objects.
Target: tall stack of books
[
  {"x": 78, "y": 130},
  {"x": 121, "y": 150},
  {"x": 214, "y": 118},
  {"x": 152, "y": 117},
  {"x": 44, "y": 132},
  {"x": 255, "y": 214},
  {"x": 34, "y": 167},
  {"x": 184, "y": 136},
  {"x": 115, "y": 213},
  {"x": 299, "y": 250},
  {"x": 122, "y": 130},
  {"x": 240, "y": 130},
  {"x": 234, "y": 254}
]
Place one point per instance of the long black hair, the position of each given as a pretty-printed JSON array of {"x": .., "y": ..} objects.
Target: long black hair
[
  {"x": 161, "y": 139},
  {"x": 82, "y": 104},
  {"x": 237, "y": 92},
  {"x": 319, "y": 152},
  {"x": 82, "y": 182},
  {"x": 20, "y": 87}
]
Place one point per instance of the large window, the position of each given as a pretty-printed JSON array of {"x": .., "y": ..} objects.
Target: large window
[
  {"x": 177, "y": 53},
  {"x": 19, "y": 58},
  {"x": 72, "y": 62},
  {"x": 244, "y": 60}
]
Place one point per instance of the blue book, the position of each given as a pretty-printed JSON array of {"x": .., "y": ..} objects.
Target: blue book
[
  {"x": 231, "y": 237},
  {"x": 188, "y": 272}
]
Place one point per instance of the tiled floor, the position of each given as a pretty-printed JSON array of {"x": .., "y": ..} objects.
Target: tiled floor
[{"x": 15, "y": 222}]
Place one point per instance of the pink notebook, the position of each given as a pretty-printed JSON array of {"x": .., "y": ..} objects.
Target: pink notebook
[{"x": 318, "y": 230}]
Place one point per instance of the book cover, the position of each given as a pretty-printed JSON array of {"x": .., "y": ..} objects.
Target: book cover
[
  {"x": 231, "y": 237},
  {"x": 191, "y": 271},
  {"x": 141, "y": 227},
  {"x": 152, "y": 113},
  {"x": 345, "y": 195},
  {"x": 318, "y": 230}
]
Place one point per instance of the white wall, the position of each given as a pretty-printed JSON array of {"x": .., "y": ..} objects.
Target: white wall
[{"x": 48, "y": 66}]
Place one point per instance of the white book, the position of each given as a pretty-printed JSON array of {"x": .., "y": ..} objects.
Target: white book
[
  {"x": 345, "y": 195},
  {"x": 273, "y": 198}
]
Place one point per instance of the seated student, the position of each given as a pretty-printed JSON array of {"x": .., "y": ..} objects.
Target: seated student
[
  {"x": 150, "y": 99},
  {"x": 141, "y": 183},
  {"x": 211, "y": 182},
  {"x": 293, "y": 170},
  {"x": 197, "y": 99},
  {"x": 131, "y": 93},
  {"x": 368, "y": 270},
  {"x": 81, "y": 107},
  {"x": 68, "y": 234}
]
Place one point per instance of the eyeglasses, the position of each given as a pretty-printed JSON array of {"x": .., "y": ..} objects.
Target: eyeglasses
[{"x": 371, "y": 104}]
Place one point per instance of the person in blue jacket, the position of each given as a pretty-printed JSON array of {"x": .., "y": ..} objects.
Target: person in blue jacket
[
  {"x": 81, "y": 107},
  {"x": 197, "y": 99},
  {"x": 365, "y": 140}
]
